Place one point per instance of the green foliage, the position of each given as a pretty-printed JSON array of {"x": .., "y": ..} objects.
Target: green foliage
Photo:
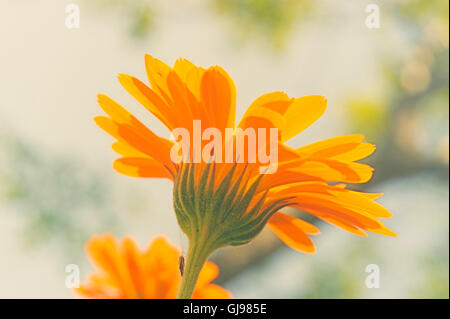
[
  {"x": 271, "y": 20},
  {"x": 58, "y": 198},
  {"x": 367, "y": 116},
  {"x": 221, "y": 215},
  {"x": 139, "y": 15},
  {"x": 422, "y": 10},
  {"x": 435, "y": 270}
]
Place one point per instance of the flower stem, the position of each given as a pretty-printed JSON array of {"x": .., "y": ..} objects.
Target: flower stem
[{"x": 196, "y": 257}]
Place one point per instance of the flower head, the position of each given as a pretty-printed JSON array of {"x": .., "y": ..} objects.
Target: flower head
[
  {"x": 223, "y": 198},
  {"x": 125, "y": 271}
]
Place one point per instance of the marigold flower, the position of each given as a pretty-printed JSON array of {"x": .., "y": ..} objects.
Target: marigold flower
[
  {"x": 221, "y": 203},
  {"x": 126, "y": 272}
]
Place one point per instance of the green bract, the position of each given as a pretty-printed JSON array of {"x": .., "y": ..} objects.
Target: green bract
[{"x": 221, "y": 215}]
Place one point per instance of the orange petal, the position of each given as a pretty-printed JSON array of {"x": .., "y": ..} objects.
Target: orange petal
[
  {"x": 161, "y": 263},
  {"x": 98, "y": 292},
  {"x": 331, "y": 142},
  {"x": 267, "y": 111},
  {"x": 293, "y": 232},
  {"x": 290, "y": 116},
  {"x": 302, "y": 113},
  {"x": 330, "y": 170},
  {"x": 183, "y": 67},
  {"x": 362, "y": 201},
  {"x": 327, "y": 206},
  {"x": 104, "y": 252},
  {"x": 361, "y": 151},
  {"x": 208, "y": 273},
  {"x": 218, "y": 94},
  {"x": 337, "y": 194},
  {"x": 124, "y": 149},
  {"x": 372, "y": 196},
  {"x": 342, "y": 148},
  {"x": 141, "y": 167},
  {"x": 150, "y": 100},
  {"x": 157, "y": 72},
  {"x": 211, "y": 291},
  {"x": 121, "y": 116},
  {"x": 133, "y": 259},
  {"x": 191, "y": 76},
  {"x": 139, "y": 138},
  {"x": 194, "y": 81},
  {"x": 164, "y": 257},
  {"x": 178, "y": 92},
  {"x": 161, "y": 249},
  {"x": 339, "y": 222}
]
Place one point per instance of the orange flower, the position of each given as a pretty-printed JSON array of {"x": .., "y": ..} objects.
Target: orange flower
[
  {"x": 222, "y": 204},
  {"x": 124, "y": 271}
]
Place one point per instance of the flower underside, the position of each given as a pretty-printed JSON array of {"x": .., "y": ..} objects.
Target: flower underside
[
  {"x": 230, "y": 211},
  {"x": 230, "y": 202}
]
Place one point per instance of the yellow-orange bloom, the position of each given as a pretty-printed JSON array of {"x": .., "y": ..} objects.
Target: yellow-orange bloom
[
  {"x": 124, "y": 271},
  {"x": 229, "y": 203}
]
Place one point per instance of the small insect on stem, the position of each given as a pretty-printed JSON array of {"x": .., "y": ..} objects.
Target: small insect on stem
[{"x": 181, "y": 265}]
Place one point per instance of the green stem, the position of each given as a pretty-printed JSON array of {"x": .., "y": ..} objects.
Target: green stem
[{"x": 197, "y": 255}]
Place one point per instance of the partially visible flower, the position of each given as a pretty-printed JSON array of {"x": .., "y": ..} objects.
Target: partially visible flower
[{"x": 126, "y": 272}]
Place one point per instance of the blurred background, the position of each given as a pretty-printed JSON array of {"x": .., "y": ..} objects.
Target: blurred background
[{"x": 57, "y": 185}]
